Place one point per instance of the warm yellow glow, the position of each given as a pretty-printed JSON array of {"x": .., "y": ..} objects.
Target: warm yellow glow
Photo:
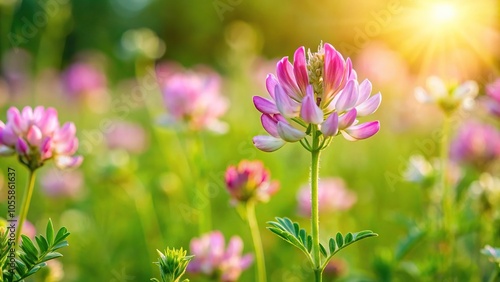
[
  {"x": 443, "y": 12},
  {"x": 449, "y": 37}
]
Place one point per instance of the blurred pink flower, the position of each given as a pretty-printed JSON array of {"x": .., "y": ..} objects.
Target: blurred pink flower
[
  {"x": 332, "y": 194},
  {"x": 28, "y": 229},
  {"x": 493, "y": 97},
  {"x": 82, "y": 79},
  {"x": 57, "y": 183},
  {"x": 213, "y": 260},
  {"x": 35, "y": 136},
  {"x": 476, "y": 144},
  {"x": 382, "y": 65},
  {"x": 250, "y": 180},
  {"x": 128, "y": 136},
  {"x": 322, "y": 90},
  {"x": 335, "y": 268},
  {"x": 193, "y": 98}
]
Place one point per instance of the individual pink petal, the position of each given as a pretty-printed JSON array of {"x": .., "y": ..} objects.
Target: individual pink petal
[
  {"x": 246, "y": 261},
  {"x": 271, "y": 82},
  {"x": 365, "y": 89},
  {"x": 270, "y": 125},
  {"x": 67, "y": 148},
  {"x": 38, "y": 114},
  {"x": 284, "y": 71},
  {"x": 8, "y": 136},
  {"x": 361, "y": 131},
  {"x": 286, "y": 106},
  {"x": 34, "y": 136},
  {"x": 27, "y": 114},
  {"x": 22, "y": 147},
  {"x": 310, "y": 112},
  {"x": 264, "y": 105},
  {"x": 268, "y": 143},
  {"x": 349, "y": 71},
  {"x": 234, "y": 247},
  {"x": 289, "y": 133},
  {"x": 49, "y": 123},
  {"x": 46, "y": 148},
  {"x": 66, "y": 132},
  {"x": 331, "y": 125},
  {"x": 17, "y": 123},
  {"x": 369, "y": 106},
  {"x": 347, "y": 119},
  {"x": 66, "y": 162},
  {"x": 334, "y": 70},
  {"x": 348, "y": 97},
  {"x": 300, "y": 69}
]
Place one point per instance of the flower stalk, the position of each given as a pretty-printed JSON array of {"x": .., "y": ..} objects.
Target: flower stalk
[
  {"x": 315, "y": 155},
  {"x": 25, "y": 206},
  {"x": 257, "y": 242}
]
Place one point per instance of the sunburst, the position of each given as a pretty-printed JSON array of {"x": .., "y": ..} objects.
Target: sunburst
[{"x": 448, "y": 38}]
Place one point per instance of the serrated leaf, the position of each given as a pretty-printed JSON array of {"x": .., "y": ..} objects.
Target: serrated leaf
[
  {"x": 348, "y": 238},
  {"x": 339, "y": 239},
  {"x": 50, "y": 232},
  {"x": 322, "y": 250}
]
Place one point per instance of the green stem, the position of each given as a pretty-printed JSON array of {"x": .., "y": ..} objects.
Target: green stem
[
  {"x": 199, "y": 162},
  {"x": 25, "y": 205},
  {"x": 494, "y": 275},
  {"x": 315, "y": 154},
  {"x": 257, "y": 242},
  {"x": 448, "y": 195}
]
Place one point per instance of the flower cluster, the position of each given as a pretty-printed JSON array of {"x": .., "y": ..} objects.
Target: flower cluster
[
  {"x": 82, "y": 79},
  {"x": 193, "y": 98},
  {"x": 211, "y": 259},
  {"x": 35, "y": 135},
  {"x": 332, "y": 194},
  {"x": 449, "y": 97},
  {"x": 322, "y": 91},
  {"x": 250, "y": 180},
  {"x": 493, "y": 100},
  {"x": 476, "y": 144}
]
